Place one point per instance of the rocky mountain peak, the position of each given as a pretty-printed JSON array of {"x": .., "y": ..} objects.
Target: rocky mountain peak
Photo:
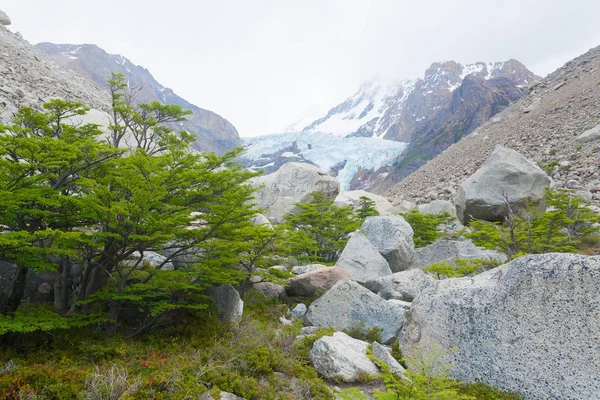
[{"x": 396, "y": 110}]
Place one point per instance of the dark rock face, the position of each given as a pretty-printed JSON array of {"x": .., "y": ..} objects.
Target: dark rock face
[
  {"x": 39, "y": 287},
  {"x": 213, "y": 132},
  {"x": 447, "y": 119}
]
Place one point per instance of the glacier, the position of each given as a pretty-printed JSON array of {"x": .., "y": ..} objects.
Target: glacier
[{"x": 327, "y": 150}]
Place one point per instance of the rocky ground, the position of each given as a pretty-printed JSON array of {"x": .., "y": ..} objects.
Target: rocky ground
[
  {"x": 28, "y": 78},
  {"x": 542, "y": 126}
]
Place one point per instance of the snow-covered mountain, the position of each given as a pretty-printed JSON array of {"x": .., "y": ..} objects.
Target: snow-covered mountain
[
  {"x": 339, "y": 156},
  {"x": 392, "y": 109}
]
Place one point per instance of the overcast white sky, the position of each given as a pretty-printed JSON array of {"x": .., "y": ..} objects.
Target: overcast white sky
[{"x": 263, "y": 64}]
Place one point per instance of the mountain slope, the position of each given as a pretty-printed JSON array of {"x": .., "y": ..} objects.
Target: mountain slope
[
  {"x": 542, "y": 126},
  {"x": 213, "y": 133},
  {"x": 28, "y": 78}
]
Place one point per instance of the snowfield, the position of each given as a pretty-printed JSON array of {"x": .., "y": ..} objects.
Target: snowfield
[{"x": 327, "y": 150}]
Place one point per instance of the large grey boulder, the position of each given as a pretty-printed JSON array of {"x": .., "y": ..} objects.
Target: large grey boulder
[
  {"x": 589, "y": 135},
  {"x": 293, "y": 183},
  {"x": 532, "y": 326},
  {"x": 362, "y": 260},
  {"x": 448, "y": 250},
  {"x": 348, "y": 305},
  {"x": 227, "y": 302},
  {"x": 438, "y": 207},
  {"x": 341, "y": 357},
  {"x": 506, "y": 176},
  {"x": 313, "y": 282},
  {"x": 4, "y": 19},
  {"x": 352, "y": 199},
  {"x": 393, "y": 238},
  {"x": 405, "y": 285}
]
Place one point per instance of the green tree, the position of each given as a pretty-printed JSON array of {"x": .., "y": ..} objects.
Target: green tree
[
  {"x": 561, "y": 228},
  {"x": 319, "y": 230},
  {"x": 366, "y": 208},
  {"x": 43, "y": 161},
  {"x": 426, "y": 226}
]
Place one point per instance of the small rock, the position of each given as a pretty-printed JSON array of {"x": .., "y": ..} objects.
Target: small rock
[
  {"x": 299, "y": 311},
  {"x": 341, "y": 357},
  {"x": 302, "y": 269}
]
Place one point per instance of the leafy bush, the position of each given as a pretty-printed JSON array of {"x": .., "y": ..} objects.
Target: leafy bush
[
  {"x": 319, "y": 231},
  {"x": 460, "y": 267},
  {"x": 426, "y": 226},
  {"x": 360, "y": 332},
  {"x": 562, "y": 228},
  {"x": 366, "y": 208}
]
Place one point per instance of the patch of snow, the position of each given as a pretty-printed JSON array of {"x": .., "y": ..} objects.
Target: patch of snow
[
  {"x": 289, "y": 154},
  {"x": 368, "y": 104},
  {"x": 327, "y": 150}
]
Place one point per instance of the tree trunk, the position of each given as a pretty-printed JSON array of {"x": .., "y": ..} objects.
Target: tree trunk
[
  {"x": 11, "y": 299},
  {"x": 62, "y": 287}
]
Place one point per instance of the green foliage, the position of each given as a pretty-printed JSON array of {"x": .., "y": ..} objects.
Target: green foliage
[
  {"x": 562, "y": 228},
  {"x": 397, "y": 353},
  {"x": 427, "y": 379},
  {"x": 426, "y": 226},
  {"x": 71, "y": 201},
  {"x": 366, "y": 208},
  {"x": 460, "y": 267},
  {"x": 481, "y": 391},
  {"x": 319, "y": 231},
  {"x": 361, "y": 332},
  {"x": 255, "y": 360}
]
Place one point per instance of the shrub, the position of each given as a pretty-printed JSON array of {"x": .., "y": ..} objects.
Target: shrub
[
  {"x": 426, "y": 226},
  {"x": 460, "y": 267},
  {"x": 110, "y": 383}
]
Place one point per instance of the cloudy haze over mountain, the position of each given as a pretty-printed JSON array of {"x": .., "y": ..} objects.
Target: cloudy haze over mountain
[{"x": 267, "y": 64}]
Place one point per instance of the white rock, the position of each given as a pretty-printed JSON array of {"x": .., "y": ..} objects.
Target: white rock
[
  {"x": 341, "y": 357},
  {"x": 362, "y": 260},
  {"x": 302, "y": 269}
]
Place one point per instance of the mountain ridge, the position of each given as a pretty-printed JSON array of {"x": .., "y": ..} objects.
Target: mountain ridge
[{"x": 213, "y": 132}]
